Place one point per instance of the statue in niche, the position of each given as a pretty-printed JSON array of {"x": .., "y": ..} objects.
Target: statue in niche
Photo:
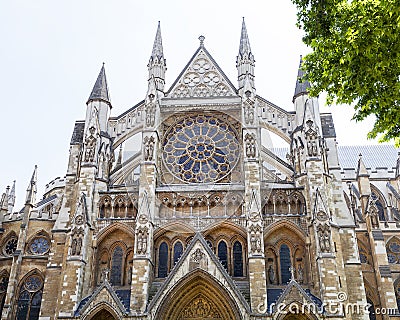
[
  {"x": 73, "y": 246},
  {"x": 148, "y": 148},
  {"x": 90, "y": 145},
  {"x": 142, "y": 241},
  {"x": 271, "y": 274},
  {"x": 324, "y": 236},
  {"x": 150, "y": 114},
  {"x": 249, "y": 114},
  {"x": 300, "y": 274},
  {"x": 250, "y": 144},
  {"x": 255, "y": 240},
  {"x": 374, "y": 216}
]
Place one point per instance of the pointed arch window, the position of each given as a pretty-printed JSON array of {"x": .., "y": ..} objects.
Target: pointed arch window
[
  {"x": 116, "y": 266},
  {"x": 237, "y": 259},
  {"x": 30, "y": 298},
  {"x": 3, "y": 290},
  {"x": 284, "y": 256},
  {"x": 178, "y": 250},
  {"x": 223, "y": 254},
  {"x": 163, "y": 260}
]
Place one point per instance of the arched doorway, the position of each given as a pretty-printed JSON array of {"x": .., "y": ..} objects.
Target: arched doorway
[
  {"x": 103, "y": 315},
  {"x": 198, "y": 296}
]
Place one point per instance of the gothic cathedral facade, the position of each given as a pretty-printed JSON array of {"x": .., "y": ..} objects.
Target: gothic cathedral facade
[{"x": 205, "y": 220}]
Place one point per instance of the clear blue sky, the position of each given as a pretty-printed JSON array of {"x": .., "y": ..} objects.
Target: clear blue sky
[{"x": 52, "y": 52}]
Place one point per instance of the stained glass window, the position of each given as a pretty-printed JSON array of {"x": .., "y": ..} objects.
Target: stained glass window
[
  {"x": 30, "y": 298},
  {"x": 116, "y": 267},
  {"x": 39, "y": 245},
  {"x": 223, "y": 254},
  {"x": 393, "y": 251},
  {"x": 178, "y": 250},
  {"x": 237, "y": 259},
  {"x": 3, "y": 290},
  {"x": 163, "y": 260},
  {"x": 284, "y": 255},
  {"x": 10, "y": 246},
  {"x": 200, "y": 148}
]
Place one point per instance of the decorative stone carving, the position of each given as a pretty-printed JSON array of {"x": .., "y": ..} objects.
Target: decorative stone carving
[
  {"x": 322, "y": 216},
  {"x": 271, "y": 274},
  {"x": 250, "y": 144},
  {"x": 76, "y": 242},
  {"x": 373, "y": 212},
  {"x": 197, "y": 255},
  {"x": 324, "y": 238},
  {"x": 312, "y": 140},
  {"x": 200, "y": 308},
  {"x": 90, "y": 145},
  {"x": 148, "y": 148},
  {"x": 150, "y": 114},
  {"x": 249, "y": 112},
  {"x": 300, "y": 274},
  {"x": 142, "y": 238},
  {"x": 255, "y": 239}
]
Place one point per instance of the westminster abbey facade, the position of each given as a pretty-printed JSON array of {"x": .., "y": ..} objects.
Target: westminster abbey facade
[{"x": 179, "y": 208}]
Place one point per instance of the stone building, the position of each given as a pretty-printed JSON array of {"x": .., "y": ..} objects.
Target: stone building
[{"x": 206, "y": 220}]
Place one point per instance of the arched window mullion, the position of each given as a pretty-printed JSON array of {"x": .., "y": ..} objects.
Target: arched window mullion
[
  {"x": 223, "y": 254},
  {"x": 163, "y": 260},
  {"x": 285, "y": 263},
  {"x": 237, "y": 259}
]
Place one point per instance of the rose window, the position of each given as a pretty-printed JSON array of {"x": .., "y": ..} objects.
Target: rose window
[
  {"x": 39, "y": 246},
  {"x": 200, "y": 148},
  {"x": 10, "y": 246}
]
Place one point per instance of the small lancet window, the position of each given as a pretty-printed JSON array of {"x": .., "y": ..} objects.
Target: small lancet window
[{"x": 163, "y": 260}]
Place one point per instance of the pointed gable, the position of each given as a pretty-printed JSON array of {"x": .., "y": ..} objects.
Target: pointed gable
[
  {"x": 198, "y": 256},
  {"x": 104, "y": 295},
  {"x": 201, "y": 78}
]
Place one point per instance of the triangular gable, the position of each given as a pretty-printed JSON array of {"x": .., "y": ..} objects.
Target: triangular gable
[
  {"x": 201, "y": 78},
  {"x": 198, "y": 255},
  {"x": 295, "y": 294},
  {"x": 102, "y": 295}
]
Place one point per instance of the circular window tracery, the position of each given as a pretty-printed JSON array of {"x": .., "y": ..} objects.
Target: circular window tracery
[
  {"x": 39, "y": 246},
  {"x": 200, "y": 148},
  {"x": 10, "y": 246}
]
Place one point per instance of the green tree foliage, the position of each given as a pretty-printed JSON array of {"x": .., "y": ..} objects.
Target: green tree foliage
[{"x": 356, "y": 57}]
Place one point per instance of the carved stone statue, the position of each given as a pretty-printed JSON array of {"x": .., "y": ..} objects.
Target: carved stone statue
[
  {"x": 271, "y": 274},
  {"x": 250, "y": 145},
  {"x": 90, "y": 146},
  {"x": 148, "y": 148},
  {"x": 150, "y": 114},
  {"x": 324, "y": 238},
  {"x": 142, "y": 241},
  {"x": 300, "y": 275},
  {"x": 249, "y": 114}
]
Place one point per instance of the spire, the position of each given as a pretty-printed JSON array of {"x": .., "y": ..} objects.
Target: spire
[
  {"x": 244, "y": 47},
  {"x": 157, "y": 46},
  {"x": 245, "y": 64},
  {"x": 100, "y": 89},
  {"x": 11, "y": 198},
  {"x": 361, "y": 169},
  {"x": 32, "y": 189},
  {"x": 157, "y": 65},
  {"x": 302, "y": 85}
]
